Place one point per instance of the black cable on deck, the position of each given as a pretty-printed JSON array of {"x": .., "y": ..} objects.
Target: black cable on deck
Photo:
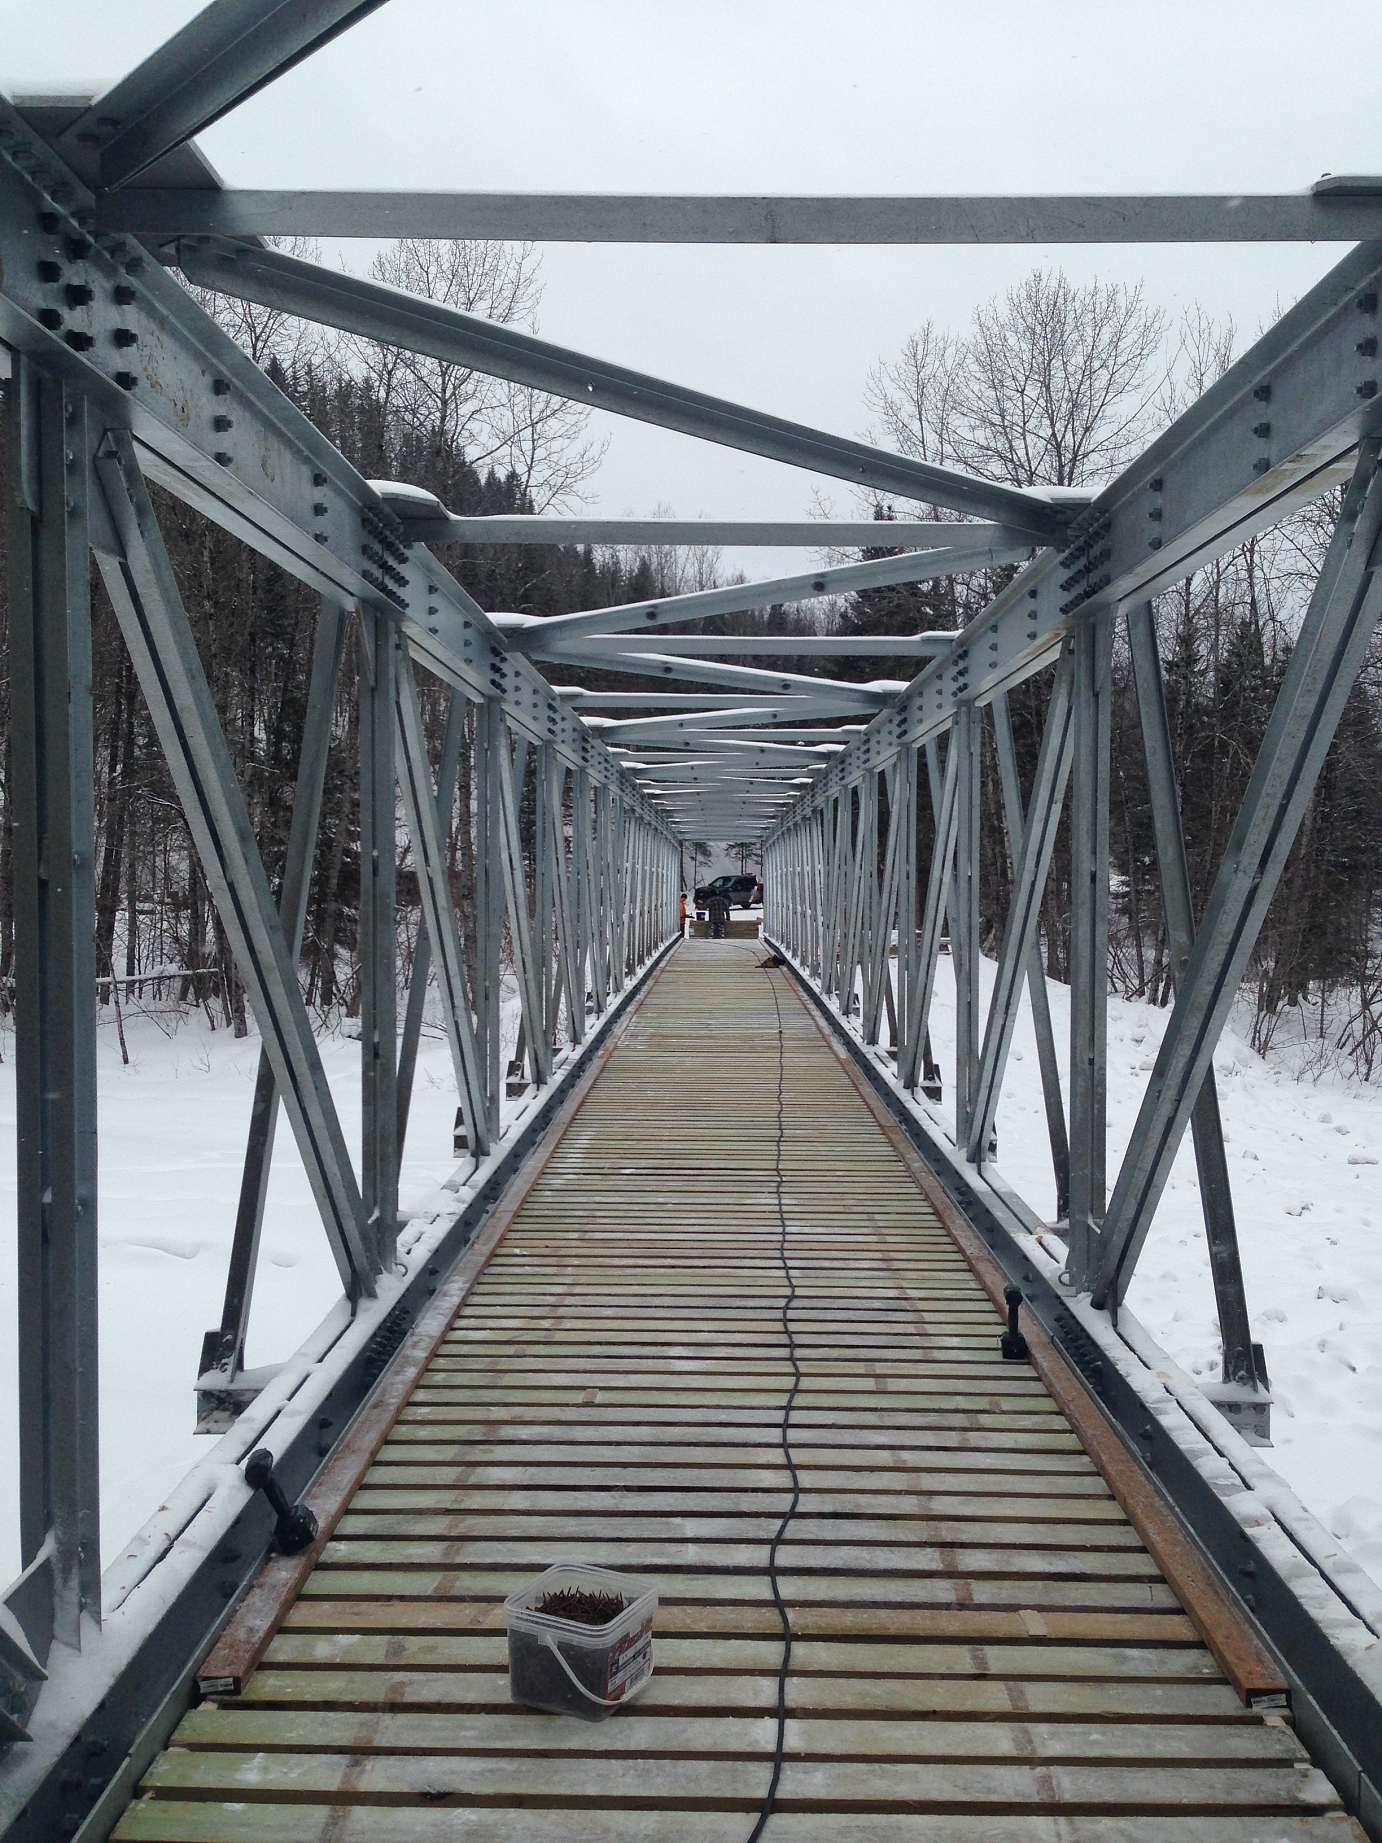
[{"x": 771, "y": 1799}]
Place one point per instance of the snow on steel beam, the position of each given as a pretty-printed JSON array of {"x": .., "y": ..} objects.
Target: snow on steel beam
[
  {"x": 812, "y": 534},
  {"x": 745, "y": 766},
  {"x": 776, "y": 646},
  {"x": 578, "y": 699},
  {"x": 617, "y": 732},
  {"x": 838, "y": 734},
  {"x": 1344, "y": 210},
  {"x": 871, "y": 696},
  {"x": 541, "y": 635},
  {"x": 424, "y": 515},
  {"x": 374, "y": 311},
  {"x": 222, "y": 56},
  {"x": 718, "y": 748}
]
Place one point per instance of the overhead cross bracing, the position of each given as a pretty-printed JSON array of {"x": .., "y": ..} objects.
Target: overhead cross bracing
[{"x": 873, "y": 844}]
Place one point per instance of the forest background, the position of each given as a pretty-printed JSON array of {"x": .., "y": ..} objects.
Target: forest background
[{"x": 1050, "y": 384}]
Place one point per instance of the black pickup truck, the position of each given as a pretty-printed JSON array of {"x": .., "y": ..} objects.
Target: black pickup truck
[{"x": 738, "y": 892}]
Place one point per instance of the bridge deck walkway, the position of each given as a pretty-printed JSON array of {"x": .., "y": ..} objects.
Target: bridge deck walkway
[{"x": 982, "y": 1645}]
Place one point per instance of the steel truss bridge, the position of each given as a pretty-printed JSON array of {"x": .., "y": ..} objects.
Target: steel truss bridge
[{"x": 929, "y": 1475}]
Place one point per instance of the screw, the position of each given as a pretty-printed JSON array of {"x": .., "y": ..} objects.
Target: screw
[
  {"x": 79, "y": 295},
  {"x": 125, "y": 336},
  {"x": 1263, "y": 465},
  {"x": 1368, "y": 388},
  {"x": 1366, "y": 348},
  {"x": 124, "y": 295},
  {"x": 1263, "y": 393},
  {"x": 48, "y": 221},
  {"x": 126, "y": 380},
  {"x": 1367, "y": 303},
  {"x": 78, "y": 248},
  {"x": 80, "y": 342},
  {"x": 1262, "y": 430},
  {"x": 221, "y": 424},
  {"x": 50, "y": 271},
  {"x": 1156, "y": 514},
  {"x": 319, "y": 510},
  {"x": 49, "y": 317},
  {"x": 221, "y": 458},
  {"x": 220, "y": 388},
  {"x": 319, "y": 479},
  {"x": 135, "y": 266}
]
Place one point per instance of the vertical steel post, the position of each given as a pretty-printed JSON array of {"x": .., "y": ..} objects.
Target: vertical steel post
[
  {"x": 964, "y": 923},
  {"x": 453, "y": 739},
  {"x": 905, "y": 783},
  {"x": 1089, "y": 822},
  {"x": 566, "y": 893},
  {"x": 516, "y": 890},
  {"x": 938, "y": 883},
  {"x": 1216, "y": 1193},
  {"x": 55, "y": 1005},
  {"x": 421, "y": 811},
  {"x": 491, "y": 762},
  {"x": 1032, "y": 841},
  {"x": 880, "y": 996},
  {"x": 378, "y": 933}
]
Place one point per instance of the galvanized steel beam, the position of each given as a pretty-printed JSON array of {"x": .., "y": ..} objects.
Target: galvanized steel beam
[
  {"x": 374, "y": 311},
  {"x": 222, "y": 56},
  {"x": 1318, "y": 216},
  {"x": 48, "y": 459}
]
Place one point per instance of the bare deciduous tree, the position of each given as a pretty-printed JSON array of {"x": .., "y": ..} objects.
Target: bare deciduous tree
[
  {"x": 535, "y": 438},
  {"x": 1053, "y": 385}
]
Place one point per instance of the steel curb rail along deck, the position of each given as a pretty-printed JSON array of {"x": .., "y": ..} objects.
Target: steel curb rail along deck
[{"x": 983, "y": 1644}]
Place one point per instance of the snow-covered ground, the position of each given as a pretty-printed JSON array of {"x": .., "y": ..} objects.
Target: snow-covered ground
[
  {"x": 172, "y": 1128},
  {"x": 172, "y": 1131},
  {"x": 1303, "y": 1157}
]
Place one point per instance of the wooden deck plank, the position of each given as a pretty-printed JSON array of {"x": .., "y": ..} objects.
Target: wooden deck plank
[{"x": 156, "y": 1820}]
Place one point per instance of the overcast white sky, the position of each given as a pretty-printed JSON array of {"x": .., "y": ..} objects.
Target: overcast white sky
[{"x": 794, "y": 96}]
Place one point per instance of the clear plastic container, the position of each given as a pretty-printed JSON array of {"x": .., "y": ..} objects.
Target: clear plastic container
[{"x": 572, "y": 1669}]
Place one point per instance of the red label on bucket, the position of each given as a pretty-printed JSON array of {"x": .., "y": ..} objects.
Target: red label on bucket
[{"x": 630, "y": 1660}]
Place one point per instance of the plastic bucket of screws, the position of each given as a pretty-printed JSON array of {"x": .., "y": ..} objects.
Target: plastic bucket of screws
[{"x": 580, "y": 1640}]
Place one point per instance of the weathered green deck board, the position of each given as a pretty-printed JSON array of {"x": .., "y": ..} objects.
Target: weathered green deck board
[
  {"x": 718, "y": 1617},
  {"x": 1053, "y": 1663},
  {"x": 983, "y": 1649},
  {"x": 720, "y": 1784},
  {"x": 156, "y": 1820}
]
